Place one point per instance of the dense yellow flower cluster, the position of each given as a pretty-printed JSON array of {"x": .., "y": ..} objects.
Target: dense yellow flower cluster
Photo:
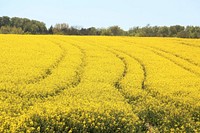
[{"x": 99, "y": 84}]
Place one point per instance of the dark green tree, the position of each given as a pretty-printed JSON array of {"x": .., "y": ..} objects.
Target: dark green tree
[
  {"x": 50, "y": 30},
  {"x": 116, "y": 31}
]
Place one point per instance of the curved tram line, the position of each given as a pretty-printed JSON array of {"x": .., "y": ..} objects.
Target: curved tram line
[{"x": 171, "y": 60}]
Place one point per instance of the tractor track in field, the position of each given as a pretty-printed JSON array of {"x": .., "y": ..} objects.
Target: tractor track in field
[
  {"x": 176, "y": 55},
  {"x": 171, "y": 60},
  {"x": 45, "y": 97},
  {"x": 143, "y": 86},
  {"x": 76, "y": 81},
  {"x": 123, "y": 60},
  {"x": 130, "y": 99},
  {"x": 80, "y": 69},
  {"x": 76, "y": 78},
  {"x": 154, "y": 93},
  {"x": 117, "y": 83},
  {"x": 171, "y": 53},
  {"x": 174, "y": 62},
  {"x": 151, "y": 93},
  {"x": 48, "y": 71},
  {"x": 187, "y": 44}
]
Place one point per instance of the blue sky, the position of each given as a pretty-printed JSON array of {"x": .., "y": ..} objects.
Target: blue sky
[{"x": 104, "y": 13}]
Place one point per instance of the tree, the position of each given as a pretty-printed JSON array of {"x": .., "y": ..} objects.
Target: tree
[
  {"x": 163, "y": 31},
  {"x": 17, "y": 22},
  {"x": 62, "y": 28},
  {"x": 21, "y": 25},
  {"x": 92, "y": 31},
  {"x": 183, "y": 34},
  {"x": 10, "y": 30},
  {"x": 50, "y": 30},
  {"x": 116, "y": 31},
  {"x": 105, "y": 32},
  {"x": 174, "y": 30},
  {"x": 1, "y": 22},
  {"x": 133, "y": 31},
  {"x": 5, "y": 21}
]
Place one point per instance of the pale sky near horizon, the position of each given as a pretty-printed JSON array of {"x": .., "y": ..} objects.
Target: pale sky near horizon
[{"x": 104, "y": 13}]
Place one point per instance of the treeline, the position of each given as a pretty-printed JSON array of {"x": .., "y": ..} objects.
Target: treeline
[
  {"x": 147, "y": 31},
  {"x": 17, "y": 25},
  {"x": 65, "y": 29},
  {"x": 166, "y": 31}
]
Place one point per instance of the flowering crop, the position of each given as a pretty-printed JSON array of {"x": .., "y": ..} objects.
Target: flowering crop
[{"x": 99, "y": 84}]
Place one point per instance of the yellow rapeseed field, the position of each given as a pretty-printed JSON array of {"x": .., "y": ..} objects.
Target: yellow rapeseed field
[{"x": 99, "y": 84}]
